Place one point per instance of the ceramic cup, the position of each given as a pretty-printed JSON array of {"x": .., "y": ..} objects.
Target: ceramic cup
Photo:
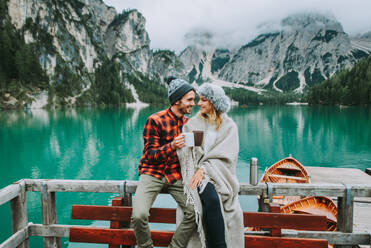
[
  {"x": 198, "y": 136},
  {"x": 189, "y": 139}
]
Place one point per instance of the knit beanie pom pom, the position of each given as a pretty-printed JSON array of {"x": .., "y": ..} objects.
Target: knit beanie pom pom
[
  {"x": 216, "y": 95},
  {"x": 177, "y": 89}
]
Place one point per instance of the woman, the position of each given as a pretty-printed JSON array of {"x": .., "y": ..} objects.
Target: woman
[{"x": 209, "y": 172}]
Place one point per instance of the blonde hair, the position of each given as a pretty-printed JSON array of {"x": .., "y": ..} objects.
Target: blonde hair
[{"x": 214, "y": 117}]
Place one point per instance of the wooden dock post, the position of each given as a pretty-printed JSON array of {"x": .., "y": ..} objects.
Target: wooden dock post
[
  {"x": 117, "y": 201},
  {"x": 125, "y": 199},
  {"x": 266, "y": 199},
  {"x": 49, "y": 215},
  {"x": 19, "y": 213},
  {"x": 345, "y": 213}
]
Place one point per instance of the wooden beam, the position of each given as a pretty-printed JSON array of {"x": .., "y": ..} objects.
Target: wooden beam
[
  {"x": 19, "y": 213},
  {"x": 163, "y": 238},
  {"x": 278, "y": 242},
  {"x": 117, "y": 201},
  {"x": 345, "y": 216},
  {"x": 9, "y": 192},
  {"x": 305, "y": 189},
  {"x": 16, "y": 239},
  {"x": 60, "y": 231},
  {"x": 49, "y": 215},
  {"x": 248, "y": 189},
  {"x": 116, "y": 236},
  {"x": 361, "y": 190},
  {"x": 101, "y": 186},
  {"x": 127, "y": 200},
  {"x": 285, "y": 221},
  {"x": 361, "y": 238},
  {"x": 112, "y": 186},
  {"x": 264, "y": 202},
  {"x": 275, "y": 208},
  {"x": 120, "y": 213}
]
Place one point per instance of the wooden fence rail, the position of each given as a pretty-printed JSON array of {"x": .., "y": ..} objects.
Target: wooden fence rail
[
  {"x": 116, "y": 186},
  {"x": 333, "y": 237},
  {"x": 10, "y": 192},
  {"x": 52, "y": 232}
]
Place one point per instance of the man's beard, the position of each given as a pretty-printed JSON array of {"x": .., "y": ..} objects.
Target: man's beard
[{"x": 183, "y": 110}]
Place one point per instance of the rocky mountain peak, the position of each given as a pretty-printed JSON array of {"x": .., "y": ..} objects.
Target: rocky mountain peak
[
  {"x": 309, "y": 49},
  {"x": 126, "y": 33},
  {"x": 311, "y": 22}
]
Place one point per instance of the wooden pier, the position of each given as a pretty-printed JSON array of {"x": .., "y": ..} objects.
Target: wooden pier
[
  {"x": 362, "y": 205},
  {"x": 345, "y": 193}
]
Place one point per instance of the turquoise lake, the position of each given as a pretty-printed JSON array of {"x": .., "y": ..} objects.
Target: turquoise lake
[{"x": 107, "y": 144}]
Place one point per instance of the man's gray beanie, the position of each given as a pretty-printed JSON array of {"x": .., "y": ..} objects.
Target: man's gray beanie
[
  {"x": 177, "y": 89},
  {"x": 216, "y": 95}
]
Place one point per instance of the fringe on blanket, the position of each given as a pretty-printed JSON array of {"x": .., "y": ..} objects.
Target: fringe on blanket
[{"x": 198, "y": 216}]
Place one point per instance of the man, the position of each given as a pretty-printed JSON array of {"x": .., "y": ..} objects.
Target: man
[{"x": 159, "y": 166}]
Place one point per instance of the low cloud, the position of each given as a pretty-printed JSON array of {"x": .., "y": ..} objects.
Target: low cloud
[{"x": 173, "y": 24}]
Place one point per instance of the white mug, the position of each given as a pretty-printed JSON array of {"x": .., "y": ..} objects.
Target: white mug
[{"x": 189, "y": 139}]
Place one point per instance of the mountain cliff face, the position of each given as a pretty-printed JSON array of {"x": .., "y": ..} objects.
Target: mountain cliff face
[
  {"x": 86, "y": 47},
  {"x": 127, "y": 38},
  {"x": 196, "y": 61},
  {"x": 165, "y": 63},
  {"x": 70, "y": 31},
  {"x": 307, "y": 50}
]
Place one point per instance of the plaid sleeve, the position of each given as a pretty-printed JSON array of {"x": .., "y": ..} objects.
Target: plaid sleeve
[{"x": 154, "y": 152}]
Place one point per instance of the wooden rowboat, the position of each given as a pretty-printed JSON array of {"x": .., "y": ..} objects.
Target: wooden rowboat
[
  {"x": 287, "y": 170},
  {"x": 318, "y": 205}
]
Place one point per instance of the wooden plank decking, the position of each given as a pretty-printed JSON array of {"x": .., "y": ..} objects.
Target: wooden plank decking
[{"x": 362, "y": 205}]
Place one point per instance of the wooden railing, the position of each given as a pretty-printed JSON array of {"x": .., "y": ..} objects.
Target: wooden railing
[{"x": 52, "y": 232}]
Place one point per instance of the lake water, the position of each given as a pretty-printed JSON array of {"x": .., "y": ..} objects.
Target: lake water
[{"x": 107, "y": 144}]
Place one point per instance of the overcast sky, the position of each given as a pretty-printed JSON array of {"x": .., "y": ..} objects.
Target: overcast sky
[{"x": 234, "y": 22}]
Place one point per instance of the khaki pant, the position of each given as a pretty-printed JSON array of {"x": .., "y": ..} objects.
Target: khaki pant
[{"x": 148, "y": 189}]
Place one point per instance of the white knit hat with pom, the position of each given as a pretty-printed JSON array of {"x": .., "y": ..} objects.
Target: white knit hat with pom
[{"x": 216, "y": 95}]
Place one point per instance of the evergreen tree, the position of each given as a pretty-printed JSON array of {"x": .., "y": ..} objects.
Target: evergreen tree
[
  {"x": 19, "y": 64},
  {"x": 109, "y": 87},
  {"x": 348, "y": 87},
  {"x": 7, "y": 54}
]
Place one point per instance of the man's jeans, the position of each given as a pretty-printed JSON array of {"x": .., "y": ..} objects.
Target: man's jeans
[{"x": 148, "y": 189}]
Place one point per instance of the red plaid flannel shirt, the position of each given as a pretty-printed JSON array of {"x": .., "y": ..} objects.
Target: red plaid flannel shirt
[{"x": 159, "y": 159}]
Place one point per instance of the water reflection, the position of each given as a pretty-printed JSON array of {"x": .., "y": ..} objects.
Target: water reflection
[
  {"x": 103, "y": 144},
  {"x": 325, "y": 136}
]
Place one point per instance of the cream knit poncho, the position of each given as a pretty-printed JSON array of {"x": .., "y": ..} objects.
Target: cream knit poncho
[{"x": 218, "y": 157}]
